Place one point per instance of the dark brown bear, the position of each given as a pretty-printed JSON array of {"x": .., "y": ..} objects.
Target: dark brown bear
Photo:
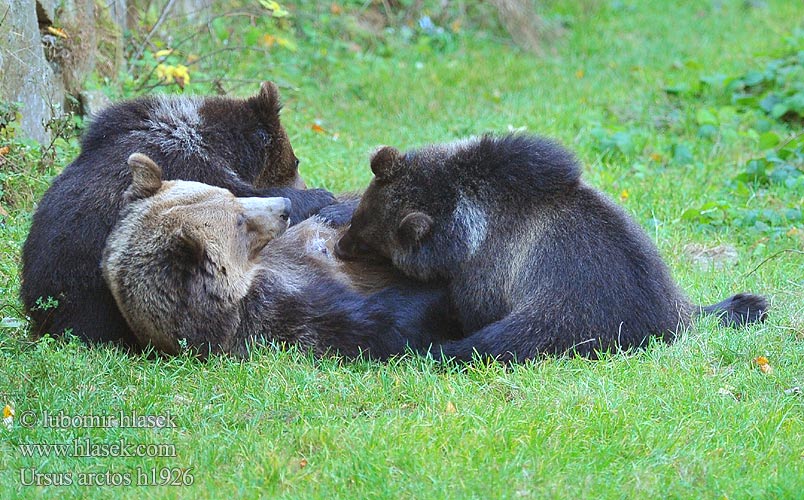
[
  {"x": 238, "y": 144},
  {"x": 193, "y": 267},
  {"x": 536, "y": 260}
]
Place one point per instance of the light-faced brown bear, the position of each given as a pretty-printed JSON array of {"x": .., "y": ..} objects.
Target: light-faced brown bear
[
  {"x": 535, "y": 260},
  {"x": 237, "y": 144},
  {"x": 193, "y": 266}
]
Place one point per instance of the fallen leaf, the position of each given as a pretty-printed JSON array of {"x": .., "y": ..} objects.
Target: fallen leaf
[
  {"x": 4, "y": 150},
  {"x": 303, "y": 463},
  {"x": 763, "y": 364},
  {"x": 624, "y": 194},
  {"x": 335, "y": 9},
  {"x": 8, "y": 416},
  {"x": 317, "y": 128},
  {"x": 656, "y": 157},
  {"x": 579, "y": 74},
  {"x": 450, "y": 409}
]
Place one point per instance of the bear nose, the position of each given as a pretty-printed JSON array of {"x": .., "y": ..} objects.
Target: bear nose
[
  {"x": 285, "y": 213},
  {"x": 349, "y": 248},
  {"x": 340, "y": 250}
]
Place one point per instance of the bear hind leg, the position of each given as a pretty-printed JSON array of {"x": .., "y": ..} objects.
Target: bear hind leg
[{"x": 515, "y": 338}]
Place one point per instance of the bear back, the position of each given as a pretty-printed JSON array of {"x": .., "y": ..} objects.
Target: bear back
[{"x": 514, "y": 164}]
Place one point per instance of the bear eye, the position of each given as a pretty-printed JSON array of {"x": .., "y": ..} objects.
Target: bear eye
[
  {"x": 241, "y": 219},
  {"x": 263, "y": 137}
]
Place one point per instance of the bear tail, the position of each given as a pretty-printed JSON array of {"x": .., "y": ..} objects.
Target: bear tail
[{"x": 739, "y": 310}]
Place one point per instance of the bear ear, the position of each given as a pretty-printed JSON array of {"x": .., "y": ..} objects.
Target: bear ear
[
  {"x": 146, "y": 177},
  {"x": 384, "y": 162},
  {"x": 267, "y": 103},
  {"x": 414, "y": 228},
  {"x": 188, "y": 250}
]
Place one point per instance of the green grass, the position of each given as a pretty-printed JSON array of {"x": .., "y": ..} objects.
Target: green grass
[{"x": 695, "y": 419}]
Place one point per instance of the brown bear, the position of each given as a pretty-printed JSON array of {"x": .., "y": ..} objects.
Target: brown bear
[
  {"x": 535, "y": 260},
  {"x": 237, "y": 144},
  {"x": 192, "y": 266}
]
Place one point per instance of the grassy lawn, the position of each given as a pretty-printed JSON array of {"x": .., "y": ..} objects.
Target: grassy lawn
[{"x": 621, "y": 86}]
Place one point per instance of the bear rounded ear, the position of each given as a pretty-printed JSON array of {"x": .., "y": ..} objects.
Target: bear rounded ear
[
  {"x": 414, "y": 228},
  {"x": 384, "y": 162},
  {"x": 146, "y": 177},
  {"x": 267, "y": 103},
  {"x": 188, "y": 250}
]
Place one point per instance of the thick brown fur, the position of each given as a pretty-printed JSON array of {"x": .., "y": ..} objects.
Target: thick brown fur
[
  {"x": 237, "y": 144},
  {"x": 192, "y": 266},
  {"x": 535, "y": 260}
]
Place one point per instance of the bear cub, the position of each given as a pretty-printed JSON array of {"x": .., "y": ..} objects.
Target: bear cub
[
  {"x": 237, "y": 144},
  {"x": 193, "y": 266},
  {"x": 535, "y": 260}
]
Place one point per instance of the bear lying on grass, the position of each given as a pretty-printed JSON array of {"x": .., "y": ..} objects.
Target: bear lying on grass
[
  {"x": 192, "y": 266},
  {"x": 535, "y": 260},
  {"x": 237, "y": 144}
]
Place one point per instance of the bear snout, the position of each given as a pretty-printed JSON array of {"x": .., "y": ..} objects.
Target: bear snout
[
  {"x": 350, "y": 248},
  {"x": 298, "y": 183},
  {"x": 278, "y": 207},
  {"x": 267, "y": 215},
  {"x": 343, "y": 246}
]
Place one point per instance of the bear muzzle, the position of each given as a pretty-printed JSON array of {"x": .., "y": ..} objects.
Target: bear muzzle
[
  {"x": 350, "y": 248},
  {"x": 269, "y": 215}
]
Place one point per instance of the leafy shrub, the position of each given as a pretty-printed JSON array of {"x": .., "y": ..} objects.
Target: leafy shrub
[
  {"x": 26, "y": 165},
  {"x": 777, "y": 90}
]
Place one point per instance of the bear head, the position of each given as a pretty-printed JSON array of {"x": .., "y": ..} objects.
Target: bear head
[
  {"x": 404, "y": 215},
  {"x": 255, "y": 137},
  {"x": 183, "y": 255}
]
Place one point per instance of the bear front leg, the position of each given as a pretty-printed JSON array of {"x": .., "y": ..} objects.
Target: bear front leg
[
  {"x": 339, "y": 214},
  {"x": 304, "y": 202}
]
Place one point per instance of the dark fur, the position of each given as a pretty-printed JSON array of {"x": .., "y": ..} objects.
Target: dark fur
[
  {"x": 238, "y": 144},
  {"x": 536, "y": 260},
  {"x": 173, "y": 265},
  {"x": 339, "y": 214},
  {"x": 330, "y": 317}
]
